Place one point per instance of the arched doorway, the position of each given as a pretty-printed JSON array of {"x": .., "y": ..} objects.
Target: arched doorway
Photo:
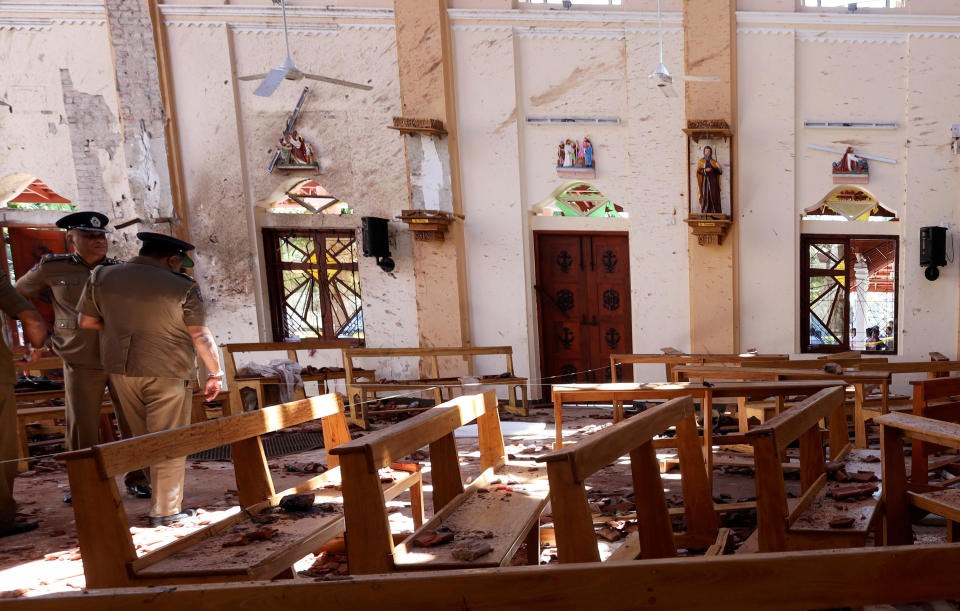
[{"x": 583, "y": 289}]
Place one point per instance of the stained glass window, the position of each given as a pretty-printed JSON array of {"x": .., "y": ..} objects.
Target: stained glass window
[
  {"x": 314, "y": 283},
  {"x": 580, "y": 199}
]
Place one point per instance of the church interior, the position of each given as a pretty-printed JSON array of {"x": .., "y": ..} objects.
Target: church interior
[{"x": 678, "y": 360}]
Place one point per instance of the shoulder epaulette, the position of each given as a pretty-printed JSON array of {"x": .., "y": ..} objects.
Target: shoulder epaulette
[
  {"x": 111, "y": 261},
  {"x": 55, "y": 257}
]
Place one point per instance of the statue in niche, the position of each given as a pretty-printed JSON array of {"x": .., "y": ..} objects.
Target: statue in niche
[
  {"x": 574, "y": 154},
  {"x": 708, "y": 182},
  {"x": 851, "y": 163}
]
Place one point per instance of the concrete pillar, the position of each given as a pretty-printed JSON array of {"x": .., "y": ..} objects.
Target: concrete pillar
[
  {"x": 426, "y": 91},
  {"x": 710, "y": 43}
]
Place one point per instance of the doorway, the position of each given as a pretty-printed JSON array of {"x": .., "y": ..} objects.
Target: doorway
[{"x": 583, "y": 303}]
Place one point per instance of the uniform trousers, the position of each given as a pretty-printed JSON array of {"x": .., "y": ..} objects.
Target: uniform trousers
[
  {"x": 83, "y": 390},
  {"x": 9, "y": 450},
  {"x": 151, "y": 405}
]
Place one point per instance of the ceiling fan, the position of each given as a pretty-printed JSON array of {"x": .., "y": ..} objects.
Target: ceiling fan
[
  {"x": 288, "y": 70},
  {"x": 662, "y": 76}
]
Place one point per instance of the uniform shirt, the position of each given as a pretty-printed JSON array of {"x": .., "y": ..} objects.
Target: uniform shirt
[
  {"x": 146, "y": 309},
  {"x": 12, "y": 303},
  {"x": 65, "y": 276}
]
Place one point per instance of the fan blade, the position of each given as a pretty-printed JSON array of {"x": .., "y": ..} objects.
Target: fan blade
[
  {"x": 252, "y": 77},
  {"x": 336, "y": 81},
  {"x": 669, "y": 91},
  {"x": 700, "y": 79},
  {"x": 273, "y": 80}
]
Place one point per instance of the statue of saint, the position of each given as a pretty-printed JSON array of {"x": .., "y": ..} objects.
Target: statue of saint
[
  {"x": 708, "y": 182},
  {"x": 569, "y": 154},
  {"x": 587, "y": 153}
]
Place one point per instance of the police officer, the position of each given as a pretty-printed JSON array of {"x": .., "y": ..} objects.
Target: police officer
[
  {"x": 35, "y": 330},
  {"x": 83, "y": 375},
  {"x": 152, "y": 326}
]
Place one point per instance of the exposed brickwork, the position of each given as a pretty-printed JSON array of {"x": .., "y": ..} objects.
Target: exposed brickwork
[
  {"x": 141, "y": 106},
  {"x": 92, "y": 128}
]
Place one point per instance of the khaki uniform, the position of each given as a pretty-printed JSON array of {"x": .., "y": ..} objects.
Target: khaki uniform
[
  {"x": 148, "y": 353},
  {"x": 11, "y": 303}
]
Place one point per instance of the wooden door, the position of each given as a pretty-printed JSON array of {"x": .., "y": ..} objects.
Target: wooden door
[{"x": 583, "y": 300}]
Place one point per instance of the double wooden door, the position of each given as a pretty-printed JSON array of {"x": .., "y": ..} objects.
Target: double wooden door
[{"x": 583, "y": 300}]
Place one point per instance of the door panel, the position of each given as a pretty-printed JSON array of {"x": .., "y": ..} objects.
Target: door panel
[{"x": 583, "y": 296}]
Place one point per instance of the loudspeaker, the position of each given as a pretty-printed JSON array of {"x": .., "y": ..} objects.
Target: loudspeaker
[
  {"x": 376, "y": 240},
  {"x": 933, "y": 246}
]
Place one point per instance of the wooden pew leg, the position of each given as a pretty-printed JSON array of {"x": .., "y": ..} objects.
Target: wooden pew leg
[
  {"x": 859, "y": 419},
  {"x": 286, "y": 574},
  {"x": 533, "y": 544},
  {"x": 416, "y": 504},
  {"x": 953, "y": 531}
]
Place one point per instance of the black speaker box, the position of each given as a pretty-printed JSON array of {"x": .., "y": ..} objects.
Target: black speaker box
[
  {"x": 933, "y": 246},
  {"x": 376, "y": 239}
]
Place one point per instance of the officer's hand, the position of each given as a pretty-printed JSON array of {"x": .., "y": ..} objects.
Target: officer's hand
[{"x": 212, "y": 388}]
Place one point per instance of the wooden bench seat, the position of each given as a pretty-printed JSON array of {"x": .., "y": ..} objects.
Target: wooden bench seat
[
  {"x": 806, "y": 525},
  {"x": 569, "y": 468},
  {"x": 900, "y": 492},
  {"x": 106, "y": 545},
  {"x": 236, "y": 382},
  {"x": 505, "y": 500},
  {"x": 360, "y": 393}
]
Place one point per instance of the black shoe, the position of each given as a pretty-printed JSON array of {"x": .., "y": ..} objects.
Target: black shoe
[
  {"x": 19, "y": 527},
  {"x": 141, "y": 491},
  {"x": 68, "y": 499},
  {"x": 167, "y": 520}
]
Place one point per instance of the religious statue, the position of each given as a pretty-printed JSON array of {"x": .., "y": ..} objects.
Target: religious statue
[
  {"x": 569, "y": 154},
  {"x": 560, "y": 155},
  {"x": 851, "y": 163},
  {"x": 708, "y": 182},
  {"x": 295, "y": 151},
  {"x": 286, "y": 151},
  {"x": 587, "y": 153}
]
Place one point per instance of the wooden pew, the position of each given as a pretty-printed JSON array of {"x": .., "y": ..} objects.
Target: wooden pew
[
  {"x": 671, "y": 360},
  {"x": 788, "y": 580},
  {"x": 568, "y": 468},
  {"x": 939, "y": 399},
  {"x": 509, "y": 511},
  {"x": 109, "y": 557},
  {"x": 901, "y": 493},
  {"x": 235, "y": 382},
  {"x": 807, "y": 524},
  {"x": 360, "y": 394},
  {"x": 619, "y": 393},
  {"x": 858, "y": 379}
]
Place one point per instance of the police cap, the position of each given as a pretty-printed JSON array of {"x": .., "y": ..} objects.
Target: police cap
[
  {"x": 86, "y": 221},
  {"x": 167, "y": 244}
]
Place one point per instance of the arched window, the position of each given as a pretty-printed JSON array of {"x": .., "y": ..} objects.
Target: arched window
[
  {"x": 579, "y": 199},
  {"x": 849, "y": 203},
  {"x": 306, "y": 197}
]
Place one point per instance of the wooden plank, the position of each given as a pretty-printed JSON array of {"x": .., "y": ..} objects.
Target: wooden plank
[
  {"x": 908, "y": 366},
  {"x": 304, "y": 344},
  {"x": 335, "y": 433},
  {"x": 817, "y": 579},
  {"x": 771, "y": 495},
  {"x": 700, "y": 519},
  {"x": 896, "y": 528},
  {"x": 573, "y": 526},
  {"x": 129, "y": 455},
  {"x": 811, "y": 457},
  {"x": 102, "y": 527},
  {"x": 944, "y": 503},
  {"x": 445, "y": 470},
  {"x": 654, "y": 528},
  {"x": 252, "y": 473},
  {"x": 815, "y": 489},
  {"x": 925, "y": 429},
  {"x": 793, "y": 422},
  {"x": 506, "y": 514},
  {"x": 597, "y": 451},
  {"x": 369, "y": 544},
  {"x": 723, "y": 544},
  {"x": 421, "y": 352}
]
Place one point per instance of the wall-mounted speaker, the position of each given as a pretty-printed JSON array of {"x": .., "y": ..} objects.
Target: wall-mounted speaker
[
  {"x": 376, "y": 241},
  {"x": 933, "y": 250}
]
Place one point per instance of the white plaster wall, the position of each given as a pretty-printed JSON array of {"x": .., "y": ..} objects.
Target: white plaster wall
[
  {"x": 487, "y": 114},
  {"x": 659, "y": 266},
  {"x": 929, "y": 309},
  {"x": 765, "y": 176},
  {"x": 36, "y": 137}
]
